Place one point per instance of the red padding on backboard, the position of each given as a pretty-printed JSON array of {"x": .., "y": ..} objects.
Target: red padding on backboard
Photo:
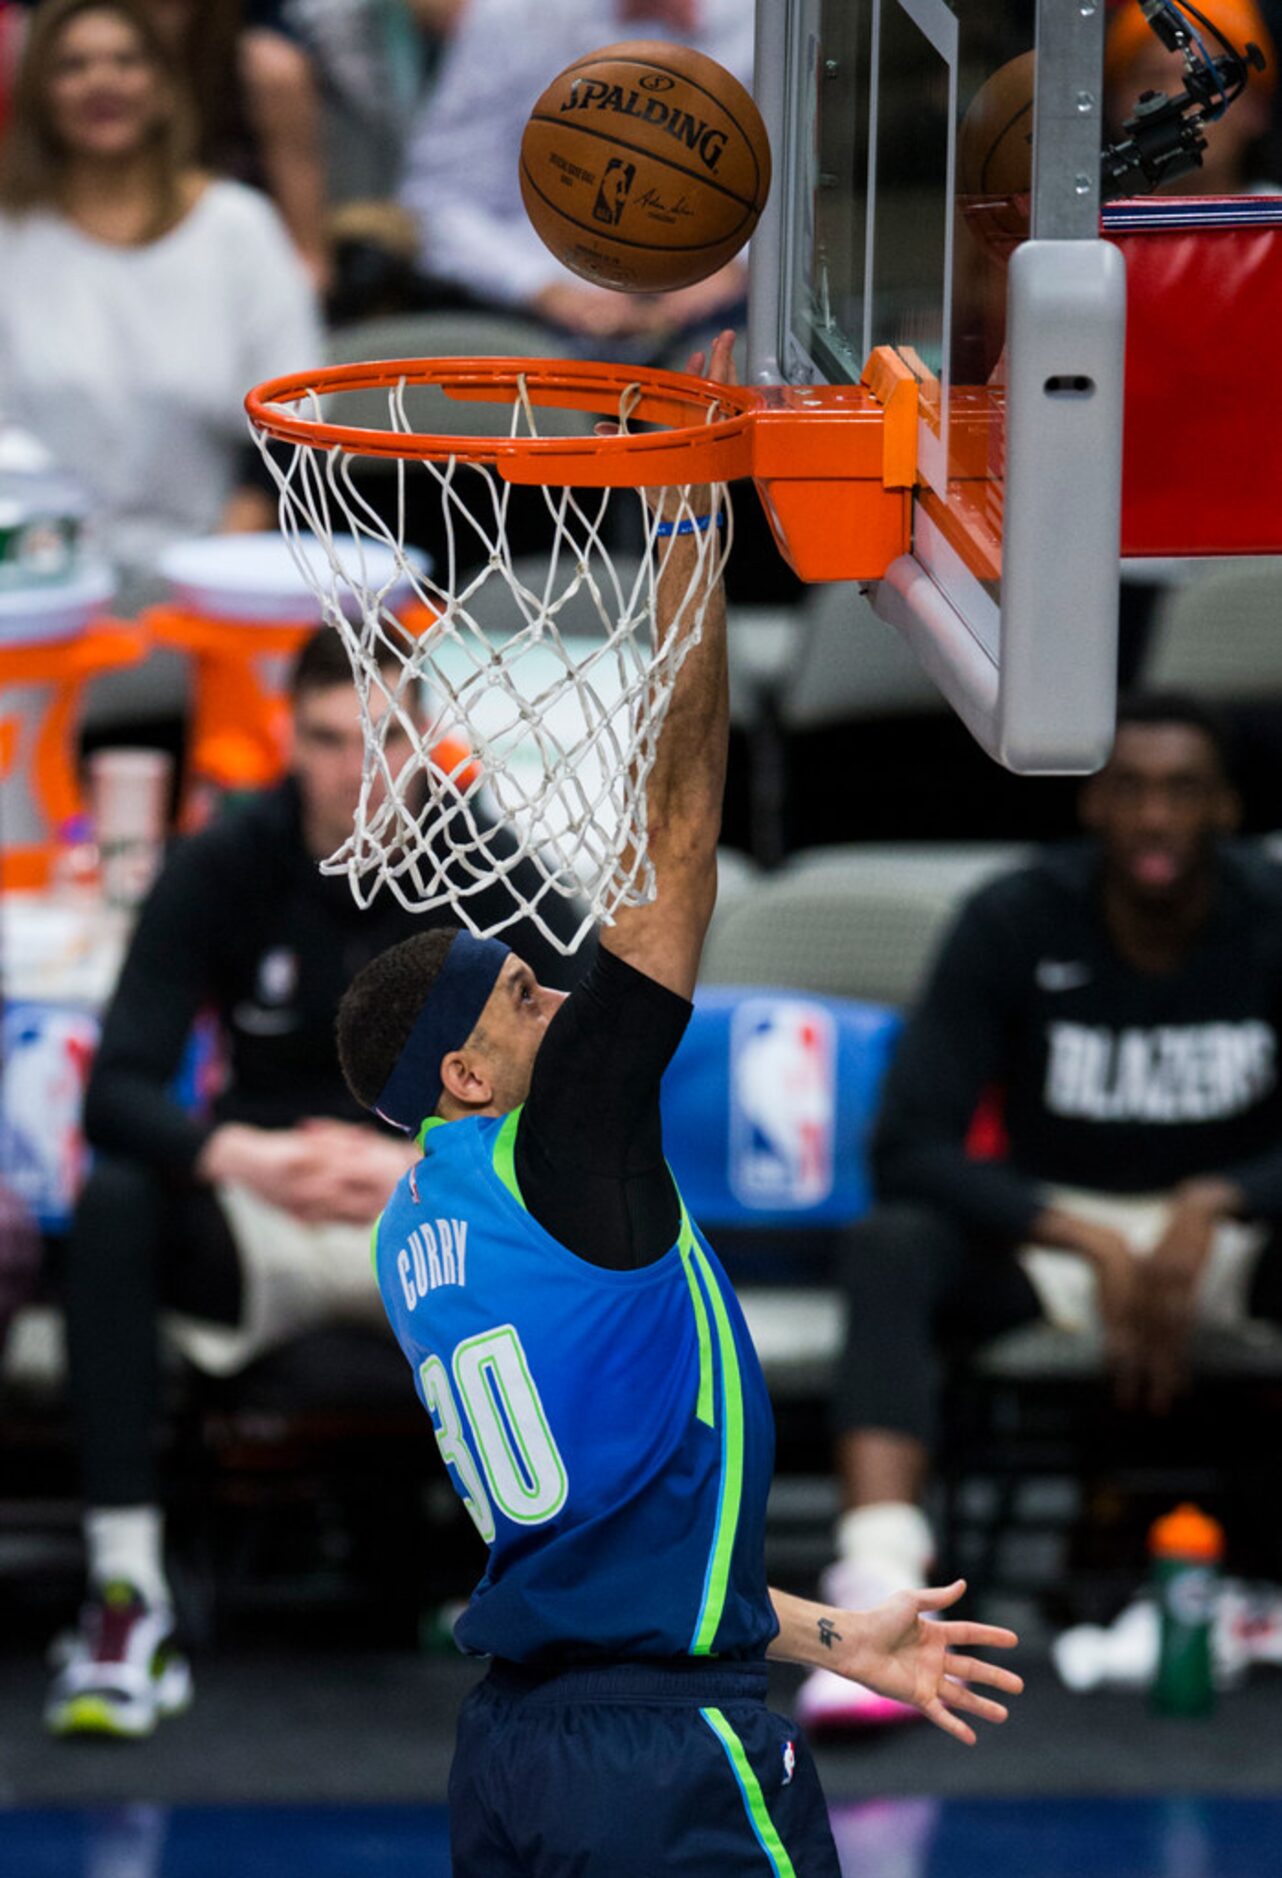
[{"x": 1202, "y": 461}]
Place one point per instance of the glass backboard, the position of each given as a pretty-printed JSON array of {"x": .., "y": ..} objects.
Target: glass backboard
[{"x": 937, "y": 191}]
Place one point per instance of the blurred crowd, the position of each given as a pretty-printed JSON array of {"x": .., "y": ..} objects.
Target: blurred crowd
[{"x": 191, "y": 194}]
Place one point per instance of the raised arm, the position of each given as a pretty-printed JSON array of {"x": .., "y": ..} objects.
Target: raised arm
[{"x": 684, "y": 795}]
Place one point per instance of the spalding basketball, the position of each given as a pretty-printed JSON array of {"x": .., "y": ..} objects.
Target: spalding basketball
[
  {"x": 644, "y": 166},
  {"x": 995, "y": 148}
]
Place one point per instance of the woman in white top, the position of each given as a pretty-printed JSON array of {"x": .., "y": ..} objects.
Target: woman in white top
[{"x": 139, "y": 298}]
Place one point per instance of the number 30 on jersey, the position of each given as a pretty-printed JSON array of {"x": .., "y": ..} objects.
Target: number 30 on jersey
[{"x": 524, "y": 1475}]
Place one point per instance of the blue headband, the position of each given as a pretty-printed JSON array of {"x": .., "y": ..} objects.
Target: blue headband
[{"x": 448, "y": 1018}]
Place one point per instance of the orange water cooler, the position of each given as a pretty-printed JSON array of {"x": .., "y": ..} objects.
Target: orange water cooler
[
  {"x": 54, "y": 641},
  {"x": 240, "y": 608}
]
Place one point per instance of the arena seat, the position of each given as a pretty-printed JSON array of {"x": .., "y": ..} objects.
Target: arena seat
[
  {"x": 850, "y": 665},
  {"x": 1217, "y": 636},
  {"x": 858, "y": 922}
]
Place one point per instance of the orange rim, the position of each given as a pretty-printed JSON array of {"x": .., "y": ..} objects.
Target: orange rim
[{"x": 690, "y": 447}]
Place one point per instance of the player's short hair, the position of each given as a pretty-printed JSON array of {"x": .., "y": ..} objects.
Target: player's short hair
[
  {"x": 382, "y": 1004},
  {"x": 322, "y": 662},
  {"x": 1178, "y": 707}
]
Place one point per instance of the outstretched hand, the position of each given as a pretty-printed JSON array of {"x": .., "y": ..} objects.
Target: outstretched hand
[
  {"x": 897, "y": 1649},
  {"x": 718, "y": 363},
  {"x": 718, "y": 366}
]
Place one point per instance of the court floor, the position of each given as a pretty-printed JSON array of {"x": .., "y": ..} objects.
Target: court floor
[{"x": 907, "y": 1838}]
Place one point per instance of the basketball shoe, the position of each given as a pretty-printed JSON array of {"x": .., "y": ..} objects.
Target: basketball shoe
[
  {"x": 829, "y": 1704},
  {"x": 119, "y": 1672}
]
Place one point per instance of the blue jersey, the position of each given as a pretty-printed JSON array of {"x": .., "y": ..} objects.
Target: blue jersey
[{"x": 608, "y": 1431}]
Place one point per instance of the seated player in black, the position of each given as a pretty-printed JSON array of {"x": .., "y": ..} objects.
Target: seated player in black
[
  {"x": 1125, "y": 997},
  {"x": 594, "y": 1392},
  {"x": 254, "y": 1223}
]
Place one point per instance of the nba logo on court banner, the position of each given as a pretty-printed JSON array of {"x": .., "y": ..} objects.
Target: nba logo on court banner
[
  {"x": 783, "y": 1102},
  {"x": 47, "y": 1051}
]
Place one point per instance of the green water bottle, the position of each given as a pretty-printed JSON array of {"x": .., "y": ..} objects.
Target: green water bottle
[{"x": 1186, "y": 1548}]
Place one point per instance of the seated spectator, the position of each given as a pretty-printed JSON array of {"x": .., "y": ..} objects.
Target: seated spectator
[
  {"x": 462, "y": 180},
  {"x": 255, "y": 1223},
  {"x": 1125, "y": 998},
  {"x": 282, "y": 105},
  {"x": 11, "y": 26},
  {"x": 369, "y": 58},
  {"x": 1237, "y": 159},
  {"x": 139, "y": 297},
  {"x": 258, "y": 112}
]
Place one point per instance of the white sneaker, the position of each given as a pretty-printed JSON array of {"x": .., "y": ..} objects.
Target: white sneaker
[
  {"x": 1124, "y": 1654},
  {"x": 120, "y": 1673},
  {"x": 1248, "y": 1627},
  {"x": 829, "y": 1704}
]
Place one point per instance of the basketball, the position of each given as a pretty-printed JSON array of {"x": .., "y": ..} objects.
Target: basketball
[
  {"x": 995, "y": 148},
  {"x": 645, "y": 166}
]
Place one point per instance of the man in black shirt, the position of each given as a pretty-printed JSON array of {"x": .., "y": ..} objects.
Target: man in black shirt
[
  {"x": 254, "y": 1222},
  {"x": 1124, "y": 1000}
]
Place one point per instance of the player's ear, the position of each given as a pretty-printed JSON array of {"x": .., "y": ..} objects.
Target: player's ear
[{"x": 463, "y": 1077}]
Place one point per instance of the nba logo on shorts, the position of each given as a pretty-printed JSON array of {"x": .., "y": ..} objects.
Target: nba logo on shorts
[
  {"x": 783, "y": 1103},
  {"x": 789, "y": 1762}
]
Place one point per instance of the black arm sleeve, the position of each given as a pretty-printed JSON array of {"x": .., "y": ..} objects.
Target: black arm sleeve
[
  {"x": 163, "y": 984},
  {"x": 589, "y": 1146},
  {"x": 949, "y": 1054}
]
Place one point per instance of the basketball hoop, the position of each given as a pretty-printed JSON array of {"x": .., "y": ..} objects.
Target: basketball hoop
[{"x": 554, "y": 732}]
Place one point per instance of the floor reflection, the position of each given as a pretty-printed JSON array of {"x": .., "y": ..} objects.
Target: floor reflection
[
  {"x": 1041, "y": 1838},
  {"x": 1077, "y": 1838}
]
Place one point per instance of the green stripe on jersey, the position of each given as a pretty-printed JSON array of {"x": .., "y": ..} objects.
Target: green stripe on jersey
[
  {"x": 753, "y": 1799},
  {"x": 689, "y": 1245},
  {"x": 433, "y": 1121},
  {"x": 505, "y": 1157},
  {"x": 730, "y": 1497}
]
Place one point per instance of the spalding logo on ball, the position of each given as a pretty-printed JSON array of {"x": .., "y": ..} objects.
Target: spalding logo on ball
[{"x": 645, "y": 166}]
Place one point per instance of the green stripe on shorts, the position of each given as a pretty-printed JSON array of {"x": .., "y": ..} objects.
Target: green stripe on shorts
[{"x": 767, "y": 1833}]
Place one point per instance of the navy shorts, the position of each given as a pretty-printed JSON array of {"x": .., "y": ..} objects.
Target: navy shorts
[{"x": 632, "y": 1771}]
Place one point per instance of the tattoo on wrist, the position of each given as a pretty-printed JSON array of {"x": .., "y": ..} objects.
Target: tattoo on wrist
[{"x": 828, "y": 1633}]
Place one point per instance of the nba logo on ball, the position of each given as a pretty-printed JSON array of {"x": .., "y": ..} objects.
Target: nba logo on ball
[
  {"x": 644, "y": 166},
  {"x": 783, "y": 1103},
  {"x": 616, "y": 187}
]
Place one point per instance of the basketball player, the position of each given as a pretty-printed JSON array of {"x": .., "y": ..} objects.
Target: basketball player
[{"x": 595, "y": 1395}]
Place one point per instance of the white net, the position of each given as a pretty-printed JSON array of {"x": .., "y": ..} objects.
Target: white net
[{"x": 511, "y": 713}]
